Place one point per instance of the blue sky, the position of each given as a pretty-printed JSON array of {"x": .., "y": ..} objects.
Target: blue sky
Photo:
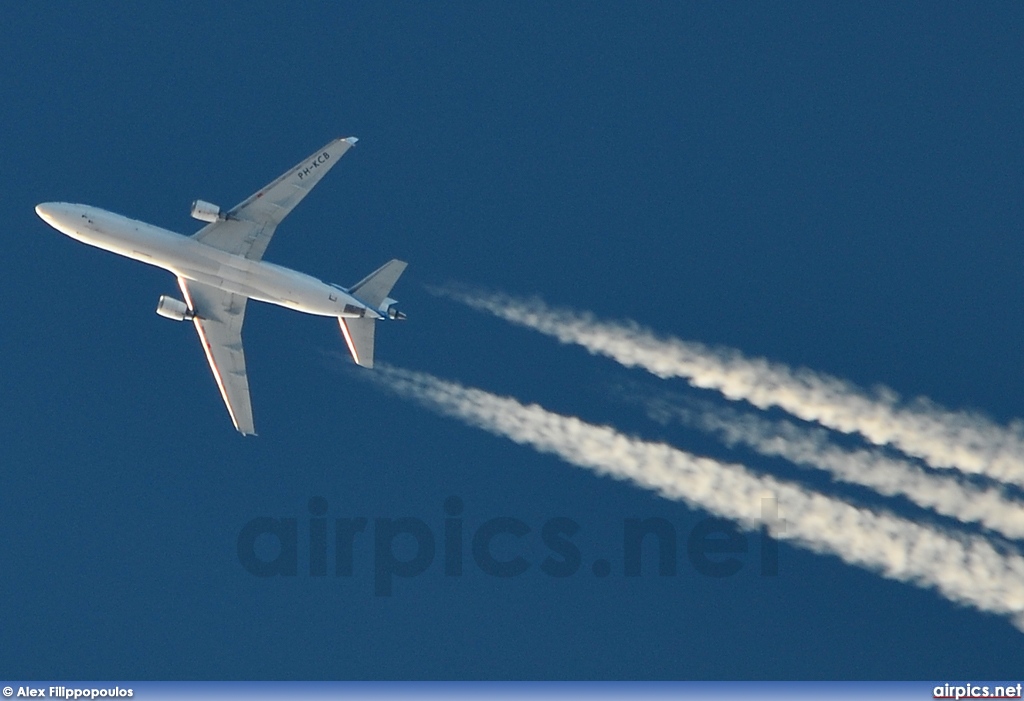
[{"x": 829, "y": 186}]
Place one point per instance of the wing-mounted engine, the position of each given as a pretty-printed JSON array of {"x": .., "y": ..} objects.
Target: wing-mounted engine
[
  {"x": 171, "y": 308},
  {"x": 207, "y": 211}
]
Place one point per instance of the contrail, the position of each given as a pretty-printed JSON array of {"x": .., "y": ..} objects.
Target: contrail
[
  {"x": 964, "y": 569},
  {"x": 887, "y": 475},
  {"x": 942, "y": 438}
]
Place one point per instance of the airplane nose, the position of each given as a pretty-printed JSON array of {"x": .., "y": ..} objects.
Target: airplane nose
[
  {"x": 56, "y": 214},
  {"x": 51, "y": 213}
]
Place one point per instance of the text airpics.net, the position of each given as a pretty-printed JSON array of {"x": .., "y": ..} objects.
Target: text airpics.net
[
  {"x": 977, "y": 691},
  {"x": 714, "y": 547}
]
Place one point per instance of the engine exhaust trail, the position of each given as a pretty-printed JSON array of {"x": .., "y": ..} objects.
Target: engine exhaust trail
[
  {"x": 963, "y": 569},
  {"x": 943, "y": 439},
  {"x": 887, "y": 475}
]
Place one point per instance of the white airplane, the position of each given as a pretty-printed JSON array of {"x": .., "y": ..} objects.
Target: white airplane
[{"x": 220, "y": 268}]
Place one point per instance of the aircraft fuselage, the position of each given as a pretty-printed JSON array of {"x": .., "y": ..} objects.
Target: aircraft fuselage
[{"x": 190, "y": 259}]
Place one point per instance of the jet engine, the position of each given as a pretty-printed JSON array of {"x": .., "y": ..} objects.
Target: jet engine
[
  {"x": 387, "y": 308},
  {"x": 171, "y": 308},
  {"x": 206, "y": 211}
]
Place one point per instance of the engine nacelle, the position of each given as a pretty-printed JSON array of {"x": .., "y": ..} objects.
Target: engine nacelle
[
  {"x": 171, "y": 308},
  {"x": 387, "y": 308},
  {"x": 206, "y": 211}
]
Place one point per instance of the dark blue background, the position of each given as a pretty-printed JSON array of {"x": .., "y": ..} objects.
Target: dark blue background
[{"x": 835, "y": 186}]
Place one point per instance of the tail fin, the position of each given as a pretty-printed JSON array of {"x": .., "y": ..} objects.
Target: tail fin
[
  {"x": 358, "y": 335},
  {"x": 373, "y": 291},
  {"x": 374, "y": 288}
]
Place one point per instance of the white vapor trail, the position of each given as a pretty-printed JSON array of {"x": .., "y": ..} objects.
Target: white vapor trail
[
  {"x": 964, "y": 569},
  {"x": 942, "y": 438},
  {"x": 887, "y": 475}
]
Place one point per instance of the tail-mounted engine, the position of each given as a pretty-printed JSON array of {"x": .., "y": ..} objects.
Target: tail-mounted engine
[
  {"x": 171, "y": 308},
  {"x": 206, "y": 211},
  {"x": 388, "y": 309}
]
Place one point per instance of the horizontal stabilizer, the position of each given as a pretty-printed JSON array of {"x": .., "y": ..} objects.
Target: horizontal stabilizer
[
  {"x": 359, "y": 337},
  {"x": 374, "y": 288}
]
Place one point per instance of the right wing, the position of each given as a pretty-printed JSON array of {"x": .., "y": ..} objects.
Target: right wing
[
  {"x": 247, "y": 228},
  {"x": 218, "y": 319}
]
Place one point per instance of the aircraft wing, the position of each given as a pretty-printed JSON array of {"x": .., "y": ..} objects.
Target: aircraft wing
[
  {"x": 247, "y": 228},
  {"x": 218, "y": 319}
]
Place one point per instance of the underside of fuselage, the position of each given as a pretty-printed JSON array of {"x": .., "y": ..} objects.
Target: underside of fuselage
[{"x": 185, "y": 257}]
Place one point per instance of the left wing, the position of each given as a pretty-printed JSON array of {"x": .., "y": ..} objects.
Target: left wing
[
  {"x": 218, "y": 319},
  {"x": 247, "y": 228}
]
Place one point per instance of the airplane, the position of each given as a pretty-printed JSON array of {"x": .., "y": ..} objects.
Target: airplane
[{"x": 221, "y": 267}]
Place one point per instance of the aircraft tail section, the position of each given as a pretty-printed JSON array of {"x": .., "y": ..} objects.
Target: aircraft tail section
[
  {"x": 358, "y": 335},
  {"x": 372, "y": 291},
  {"x": 374, "y": 288}
]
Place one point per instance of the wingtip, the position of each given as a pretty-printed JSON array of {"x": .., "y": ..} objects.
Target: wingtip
[{"x": 352, "y": 140}]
